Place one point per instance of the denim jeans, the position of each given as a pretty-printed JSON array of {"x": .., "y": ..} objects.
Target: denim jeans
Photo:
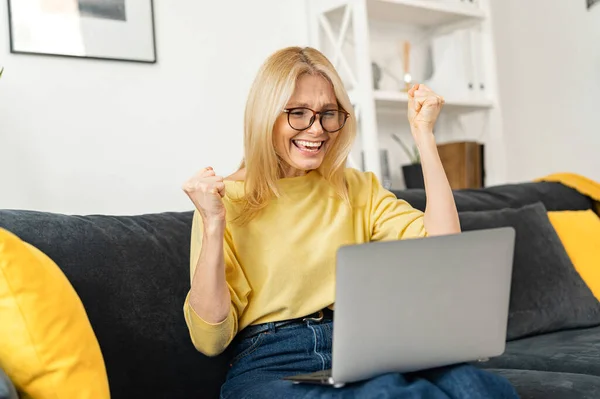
[{"x": 265, "y": 353}]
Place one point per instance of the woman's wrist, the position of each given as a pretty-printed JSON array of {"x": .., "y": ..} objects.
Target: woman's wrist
[
  {"x": 214, "y": 226},
  {"x": 425, "y": 141}
]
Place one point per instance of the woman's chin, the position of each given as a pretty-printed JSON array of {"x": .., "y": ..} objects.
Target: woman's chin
[{"x": 306, "y": 164}]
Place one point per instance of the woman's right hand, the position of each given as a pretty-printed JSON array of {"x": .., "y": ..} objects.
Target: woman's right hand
[{"x": 206, "y": 190}]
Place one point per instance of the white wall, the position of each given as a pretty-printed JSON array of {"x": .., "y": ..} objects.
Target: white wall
[
  {"x": 84, "y": 136},
  {"x": 549, "y": 78}
]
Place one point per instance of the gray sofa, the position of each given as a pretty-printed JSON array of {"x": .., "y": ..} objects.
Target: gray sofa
[{"x": 132, "y": 275}]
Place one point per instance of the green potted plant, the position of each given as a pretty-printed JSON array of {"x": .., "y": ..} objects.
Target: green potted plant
[{"x": 413, "y": 172}]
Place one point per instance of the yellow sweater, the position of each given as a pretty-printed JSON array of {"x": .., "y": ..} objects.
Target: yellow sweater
[{"x": 281, "y": 265}]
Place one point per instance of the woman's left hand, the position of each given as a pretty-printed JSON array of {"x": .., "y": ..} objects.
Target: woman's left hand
[{"x": 424, "y": 106}]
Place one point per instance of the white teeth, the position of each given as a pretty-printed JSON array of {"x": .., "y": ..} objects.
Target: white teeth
[{"x": 309, "y": 143}]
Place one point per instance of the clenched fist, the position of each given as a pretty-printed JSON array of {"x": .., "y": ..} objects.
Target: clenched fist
[
  {"x": 206, "y": 190},
  {"x": 424, "y": 106}
]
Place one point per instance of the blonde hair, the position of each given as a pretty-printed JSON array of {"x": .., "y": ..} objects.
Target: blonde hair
[{"x": 272, "y": 88}]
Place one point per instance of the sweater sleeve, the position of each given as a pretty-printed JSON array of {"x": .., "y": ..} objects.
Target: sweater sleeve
[
  {"x": 209, "y": 338},
  {"x": 392, "y": 218}
]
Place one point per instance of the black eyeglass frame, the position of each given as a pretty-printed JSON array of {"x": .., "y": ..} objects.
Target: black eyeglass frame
[{"x": 314, "y": 118}]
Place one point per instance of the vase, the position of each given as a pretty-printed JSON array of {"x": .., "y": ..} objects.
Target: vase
[{"x": 413, "y": 176}]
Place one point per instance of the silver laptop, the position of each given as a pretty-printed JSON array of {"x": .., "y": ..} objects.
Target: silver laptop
[{"x": 411, "y": 305}]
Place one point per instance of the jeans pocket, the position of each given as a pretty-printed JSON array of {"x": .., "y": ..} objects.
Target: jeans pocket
[{"x": 247, "y": 346}]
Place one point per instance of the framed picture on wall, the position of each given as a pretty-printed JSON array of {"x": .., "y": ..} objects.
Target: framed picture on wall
[{"x": 121, "y": 30}]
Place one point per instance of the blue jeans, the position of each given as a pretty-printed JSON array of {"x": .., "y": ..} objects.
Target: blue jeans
[{"x": 265, "y": 353}]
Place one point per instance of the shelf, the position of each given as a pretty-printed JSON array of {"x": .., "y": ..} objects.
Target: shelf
[
  {"x": 428, "y": 13},
  {"x": 359, "y": 32},
  {"x": 395, "y": 101}
]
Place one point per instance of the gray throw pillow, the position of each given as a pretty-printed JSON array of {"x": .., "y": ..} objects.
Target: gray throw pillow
[
  {"x": 547, "y": 293},
  {"x": 7, "y": 389}
]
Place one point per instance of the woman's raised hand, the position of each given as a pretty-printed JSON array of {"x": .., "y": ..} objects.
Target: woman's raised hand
[{"x": 206, "y": 190}]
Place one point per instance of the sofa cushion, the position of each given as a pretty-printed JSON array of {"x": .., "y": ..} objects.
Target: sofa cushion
[
  {"x": 532, "y": 384},
  {"x": 132, "y": 275},
  {"x": 555, "y": 197},
  {"x": 47, "y": 345},
  {"x": 579, "y": 231},
  {"x": 573, "y": 351},
  {"x": 547, "y": 293},
  {"x": 582, "y": 184}
]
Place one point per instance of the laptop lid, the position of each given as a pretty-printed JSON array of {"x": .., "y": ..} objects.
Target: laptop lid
[{"x": 416, "y": 304}]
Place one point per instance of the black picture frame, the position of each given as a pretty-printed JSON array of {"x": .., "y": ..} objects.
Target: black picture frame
[{"x": 151, "y": 37}]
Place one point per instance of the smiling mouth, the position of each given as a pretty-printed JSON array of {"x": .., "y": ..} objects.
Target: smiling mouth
[{"x": 308, "y": 146}]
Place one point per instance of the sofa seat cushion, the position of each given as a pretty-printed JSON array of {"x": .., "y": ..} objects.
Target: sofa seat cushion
[
  {"x": 572, "y": 351},
  {"x": 531, "y": 384}
]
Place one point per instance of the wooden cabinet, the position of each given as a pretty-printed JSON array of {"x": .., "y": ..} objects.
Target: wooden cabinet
[{"x": 463, "y": 163}]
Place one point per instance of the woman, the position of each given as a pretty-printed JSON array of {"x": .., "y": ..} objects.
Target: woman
[{"x": 264, "y": 239}]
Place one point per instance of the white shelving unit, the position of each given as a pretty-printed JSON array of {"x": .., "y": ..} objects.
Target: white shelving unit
[
  {"x": 457, "y": 32},
  {"x": 422, "y": 12},
  {"x": 391, "y": 101}
]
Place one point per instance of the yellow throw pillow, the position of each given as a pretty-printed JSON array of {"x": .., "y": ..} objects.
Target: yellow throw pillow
[
  {"x": 579, "y": 232},
  {"x": 47, "y": 345}
]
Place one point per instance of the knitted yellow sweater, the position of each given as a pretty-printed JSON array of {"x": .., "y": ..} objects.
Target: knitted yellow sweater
[{"x": 281, "y": 265}]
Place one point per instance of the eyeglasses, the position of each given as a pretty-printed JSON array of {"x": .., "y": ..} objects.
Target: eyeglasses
[{"x": 302, "y": 118}]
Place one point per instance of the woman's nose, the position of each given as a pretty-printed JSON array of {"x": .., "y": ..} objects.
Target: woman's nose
[{"x": 315, "y": 129}]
